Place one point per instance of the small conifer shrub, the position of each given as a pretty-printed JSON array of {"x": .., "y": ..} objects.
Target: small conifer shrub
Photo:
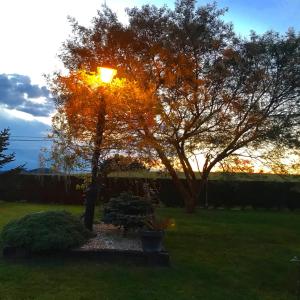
[{"x": 127, "y": 211}]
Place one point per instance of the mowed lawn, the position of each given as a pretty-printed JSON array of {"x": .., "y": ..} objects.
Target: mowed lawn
[{"x": 228, "y": 255}]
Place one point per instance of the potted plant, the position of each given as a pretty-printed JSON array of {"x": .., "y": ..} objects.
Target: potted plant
[{"x": 153, "y": 233}]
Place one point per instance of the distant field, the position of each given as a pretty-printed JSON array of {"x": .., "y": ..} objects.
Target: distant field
[{"x": 213, "y": 176}]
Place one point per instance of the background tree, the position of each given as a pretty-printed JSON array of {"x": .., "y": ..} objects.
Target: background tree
[
  {"x": 4, "y": 142},
  {"x": 67, "y": 154},
  {"x": 217, "y": 95},
  {"x": 121, "y": 163},
  {"x": 192, "y": 87}
]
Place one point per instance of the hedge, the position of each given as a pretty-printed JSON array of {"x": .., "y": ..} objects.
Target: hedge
[
  {"x": 221, "y": 193},
  {"x": 40, "y": 189}
]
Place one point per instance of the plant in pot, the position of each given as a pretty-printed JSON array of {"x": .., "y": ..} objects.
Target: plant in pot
[{"x": 153, "y": 233}]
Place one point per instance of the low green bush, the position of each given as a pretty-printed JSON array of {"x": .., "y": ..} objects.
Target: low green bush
[
  {"x": 127, "y": 211},
  {"x": 44, "y": 231}
]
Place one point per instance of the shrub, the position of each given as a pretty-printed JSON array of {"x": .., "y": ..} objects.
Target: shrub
[
  {"x": 127, "y": 211},
  {"x": 43, "y": 231}
]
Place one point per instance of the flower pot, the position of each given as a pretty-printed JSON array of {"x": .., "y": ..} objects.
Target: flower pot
[{"x": 152, "y": 240}]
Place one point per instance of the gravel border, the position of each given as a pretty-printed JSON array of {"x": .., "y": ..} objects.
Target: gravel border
[{"x": 111, "y": 237}]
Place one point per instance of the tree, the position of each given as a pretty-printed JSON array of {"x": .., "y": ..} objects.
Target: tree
[
  {"x": 121, "y": 163},
  {"x": 4, "y": 142},
  {"x": 217, "y": 95},
  {"x": 67, "y": 154},
  {"x": 193, "y": 88}
]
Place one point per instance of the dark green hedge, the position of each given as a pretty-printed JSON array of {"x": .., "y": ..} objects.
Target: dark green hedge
[
  {"x": 221, "y": 193},
  {"x": 40, "y": 189}
]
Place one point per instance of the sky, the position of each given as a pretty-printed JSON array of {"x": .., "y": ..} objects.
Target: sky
[{"x": 32, "y": 32}]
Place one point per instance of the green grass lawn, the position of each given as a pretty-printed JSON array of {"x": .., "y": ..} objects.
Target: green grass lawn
[{"x": 228, "y": 255}]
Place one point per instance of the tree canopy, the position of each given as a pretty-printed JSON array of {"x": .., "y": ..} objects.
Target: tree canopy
[{"x": 191, "y": 87}]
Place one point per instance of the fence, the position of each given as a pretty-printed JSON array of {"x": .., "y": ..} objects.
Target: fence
[{"x": 221, "y": 193}]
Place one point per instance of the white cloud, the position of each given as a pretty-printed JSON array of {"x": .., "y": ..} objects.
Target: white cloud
[
  {"x": 32, "y": 32},
  {"x": 40, "y": 100},
  {"x": 13, "y": 113}
]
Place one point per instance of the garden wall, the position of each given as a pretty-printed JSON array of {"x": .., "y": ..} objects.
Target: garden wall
[{"x": 221, "y": 193}]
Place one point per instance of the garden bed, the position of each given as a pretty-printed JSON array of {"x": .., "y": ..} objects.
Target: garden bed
[{"x": 109, "y": 245}]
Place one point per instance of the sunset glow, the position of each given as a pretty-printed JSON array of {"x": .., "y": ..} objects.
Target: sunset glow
[{"x": 24, "y": 95}]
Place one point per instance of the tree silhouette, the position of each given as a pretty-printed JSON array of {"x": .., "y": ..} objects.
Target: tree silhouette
[
  {"x": 4, "y": 142},
  {"x": 192, "y": 86}
]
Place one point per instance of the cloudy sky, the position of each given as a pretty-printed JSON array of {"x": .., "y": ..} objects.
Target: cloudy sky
[{"x": 32, "y": 32}]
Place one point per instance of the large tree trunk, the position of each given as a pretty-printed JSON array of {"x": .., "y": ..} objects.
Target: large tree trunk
[
  {"x": 190, "y": 178},
  {"x": 92, "y": 191},
  {"x": 188, "y": 197},
  {"x": 203, "y": 194}
]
